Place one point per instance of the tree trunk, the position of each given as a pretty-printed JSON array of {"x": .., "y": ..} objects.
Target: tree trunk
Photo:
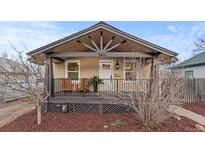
[{"x": 38, "y": 114}]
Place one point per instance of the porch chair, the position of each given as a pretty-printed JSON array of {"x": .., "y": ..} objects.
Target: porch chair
[
  {"x": 67, "y": 85},
  {"x": 83, "y": 86}
]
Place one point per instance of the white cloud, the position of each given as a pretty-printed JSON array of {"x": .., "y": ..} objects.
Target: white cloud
[
  {"x": 182, "y": 41},
  {"x": 172, "y": 28},
  {"x": 32, "y": 34}
]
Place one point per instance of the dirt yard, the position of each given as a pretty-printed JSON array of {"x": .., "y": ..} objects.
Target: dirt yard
[
  {"x": 12, "y": 110},
  {"x": 14, "y": 102},
  {"x": 195, "y": 107},
  {"x": 93, "y": 122}
]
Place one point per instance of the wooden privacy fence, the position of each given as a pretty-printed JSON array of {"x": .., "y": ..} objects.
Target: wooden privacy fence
[{"x": 194, "y": 90}]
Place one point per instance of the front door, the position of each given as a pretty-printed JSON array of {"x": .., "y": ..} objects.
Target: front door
[
  {"x": 106, "y": 73},
  {"x": 105, "y": 69}
]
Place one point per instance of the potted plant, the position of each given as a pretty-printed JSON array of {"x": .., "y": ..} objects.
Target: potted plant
[{"x": 95, "y": 81}]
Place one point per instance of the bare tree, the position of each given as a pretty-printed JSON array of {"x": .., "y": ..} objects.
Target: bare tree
[
  {"x": 200, "y": 45},
  {"x": 22, "y": 75},
  {"x": 152, "y": 105}
]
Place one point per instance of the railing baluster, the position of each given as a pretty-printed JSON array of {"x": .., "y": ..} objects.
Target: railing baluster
[{"x": 65, "y": 87}]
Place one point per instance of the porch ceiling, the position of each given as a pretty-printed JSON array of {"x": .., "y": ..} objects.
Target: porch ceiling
[{"x": 74, "y": 46}]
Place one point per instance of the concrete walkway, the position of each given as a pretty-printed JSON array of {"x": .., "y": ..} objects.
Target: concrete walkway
[
  {"x": 10, "y": 113},
  {"x": 189, "y": 114}
]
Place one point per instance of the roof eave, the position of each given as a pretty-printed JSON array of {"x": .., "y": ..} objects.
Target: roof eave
[
  {"x": 98, "y": 26},
  {"x": 191, "y": 65}
]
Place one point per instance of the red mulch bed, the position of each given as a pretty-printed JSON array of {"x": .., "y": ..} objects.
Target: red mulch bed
[
  {"x": 195, "y": 107},
  {"x": 92, "y": 122}
]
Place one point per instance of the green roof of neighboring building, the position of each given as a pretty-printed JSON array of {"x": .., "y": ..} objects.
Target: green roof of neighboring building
[{"x": 196, "y": 60}]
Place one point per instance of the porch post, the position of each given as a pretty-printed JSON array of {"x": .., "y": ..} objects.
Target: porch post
[
  {"x": 46, "y": 76},
  {"x": 151, "y": 78},
  {"x": 152, "y": 69},
  {"x": 46, "y": 88},
  {"x": 49, "y": 75},
  {"x": 154, "y": 75}
]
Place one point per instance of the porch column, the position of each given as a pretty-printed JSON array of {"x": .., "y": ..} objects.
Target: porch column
[
  {"x": 49, "y": 76},
  {"x": 46, "y": 76},
  {"x": 152, "y": 69},
  {"x": 155, "y": 76}
]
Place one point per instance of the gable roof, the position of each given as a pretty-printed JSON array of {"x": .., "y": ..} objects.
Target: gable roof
[
  {"x": 196, "y": 60},
  {"x": 109, "y": 28}
]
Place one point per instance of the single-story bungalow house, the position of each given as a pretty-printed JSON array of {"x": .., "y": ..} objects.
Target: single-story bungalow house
[
  {"x": 193, "y": 67},
  {"x": 118, "y": 58}
]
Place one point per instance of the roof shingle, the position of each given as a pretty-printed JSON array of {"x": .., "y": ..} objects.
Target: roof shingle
[{"x": 196, "y": 60}]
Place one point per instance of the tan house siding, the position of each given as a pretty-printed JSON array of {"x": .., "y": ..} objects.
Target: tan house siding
[
  {"x": 90, "y": 67},
  {"x": 59, "y": 70}
]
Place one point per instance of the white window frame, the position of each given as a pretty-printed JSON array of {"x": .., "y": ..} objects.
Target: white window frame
[
  {"x": 188, "y": 71},
  {"x": 107, "y": 61},
  {"x": 66, "y": 68},
  {"x": 124, "y": 60}
]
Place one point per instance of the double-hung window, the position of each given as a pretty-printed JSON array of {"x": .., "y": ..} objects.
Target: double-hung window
[
  {"x": 189, "y": 74},
  {"x": 73, "y": 70},
  {"x": 130, "y": 70}
]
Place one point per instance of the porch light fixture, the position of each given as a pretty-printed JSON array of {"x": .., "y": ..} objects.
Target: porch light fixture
[{"x": 117, "y": 66}]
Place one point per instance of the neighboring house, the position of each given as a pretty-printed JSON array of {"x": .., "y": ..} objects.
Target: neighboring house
[
  {"x": 193, "y": 67},
  {"x": 119, "y": 58},
  {"x": 6, "y": 92}
]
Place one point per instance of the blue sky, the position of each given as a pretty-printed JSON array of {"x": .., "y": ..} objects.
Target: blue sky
[{"x": 176, "y": 36}]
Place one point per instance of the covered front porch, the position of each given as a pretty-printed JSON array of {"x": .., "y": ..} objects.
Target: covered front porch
[
  {"x": 123, "y": 66},
  {"x": 72, "y": 91}
]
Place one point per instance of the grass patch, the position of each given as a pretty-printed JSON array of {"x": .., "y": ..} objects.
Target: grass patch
[{"x": 117, "y": 123}]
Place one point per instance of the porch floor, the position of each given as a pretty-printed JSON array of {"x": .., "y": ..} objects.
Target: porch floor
[{"x": 91, "y": 99}]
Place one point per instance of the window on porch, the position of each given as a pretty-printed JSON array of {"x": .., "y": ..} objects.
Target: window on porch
[
  {"x": 73, "y": 70},
  {"x": 130, "y": 70}
]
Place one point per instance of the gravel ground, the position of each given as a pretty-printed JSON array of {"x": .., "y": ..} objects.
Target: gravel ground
[{"x": 57, "y": 122}]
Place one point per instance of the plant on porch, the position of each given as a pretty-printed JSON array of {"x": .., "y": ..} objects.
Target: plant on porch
[{"x": 95, "y": 81}]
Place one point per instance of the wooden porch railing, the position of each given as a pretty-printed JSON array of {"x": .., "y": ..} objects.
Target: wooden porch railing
[
  {"x": 193, "y": 90},
  {"x": 82, "y": 87}
]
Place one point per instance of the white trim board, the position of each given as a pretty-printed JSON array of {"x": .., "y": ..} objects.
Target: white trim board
[
  {"x": 107, "y": 61},
  {"x": 66, "y": 67}
]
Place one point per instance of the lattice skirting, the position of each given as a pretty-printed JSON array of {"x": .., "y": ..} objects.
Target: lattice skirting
[{"x": 89, "y": 108}]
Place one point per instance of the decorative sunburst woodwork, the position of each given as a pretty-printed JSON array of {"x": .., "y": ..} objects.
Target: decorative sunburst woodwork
[{"x": 101, "y": 50}]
